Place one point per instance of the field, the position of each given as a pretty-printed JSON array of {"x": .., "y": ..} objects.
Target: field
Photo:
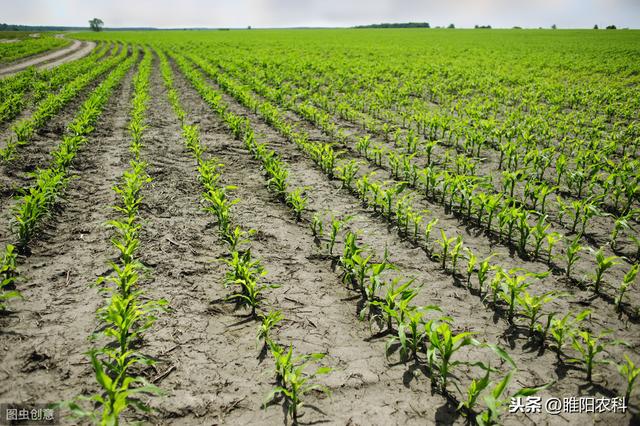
[
  {"x": 399, "y": 226},
  {"x": 16, "y": 45}
]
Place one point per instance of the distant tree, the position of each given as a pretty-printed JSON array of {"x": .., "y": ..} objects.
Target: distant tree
[
  {"x": 483, "y": 27},
  {"x": 595, "y": 27},
  {"x": 517, "y": 28},
  {"x": 451, "y": 26},
  {"x": 249, "y": 27},
  {"x": 553, "y": 27},
  {"x": 96, "y": 24},
  {"x": 611, "y": 27},
  {"x": 397, "y": 25}
]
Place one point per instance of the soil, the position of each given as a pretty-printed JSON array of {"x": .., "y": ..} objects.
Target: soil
[{"x": 208, "y": 361}]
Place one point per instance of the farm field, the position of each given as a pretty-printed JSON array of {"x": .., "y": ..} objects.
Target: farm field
[
  {"x": 398, "y": 226},
  {"x": 16, "y": 45}
]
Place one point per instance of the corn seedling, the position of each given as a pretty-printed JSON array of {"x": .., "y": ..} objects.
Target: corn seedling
[
  {"x": 472, "y": 260},
  {"x": 474, "y": 390},
  {"x": 336, "y": 225},
  {"x": 483, "y": 272},
  {"x": 603, "y": 264},
  {"x": 553, "y": 238},
  {"x": 531, "y": 309},
  {"x": 296, "y": 382},
  {"x": 8, "y": 276},
  {"x": 267, "y": 322},
  {"x": 627, "y": 281},
  {"x": 445, "y": 243},
  {"x": 572, "y": 255},
  {"x": 562, "y": 329},
  {"x": 443, "y": 344},
  {"x": 495, "y": 401},
  {"x": 297, "y": 201},
  {"x": 396, "y": 301},
  {"x": 455, "y": 254},
  {"x": 317, "y": 226},
  {"x": 427, "y": 234},
  {"x": 237, "y": 237},
  {"x": 630, "y": 373},
  {"x": 589, "y": 346}
]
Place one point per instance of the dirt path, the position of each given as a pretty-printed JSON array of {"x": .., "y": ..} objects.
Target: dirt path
[
  {"x": 48, "y": 60},
  {"x": 43, "y": 342}
]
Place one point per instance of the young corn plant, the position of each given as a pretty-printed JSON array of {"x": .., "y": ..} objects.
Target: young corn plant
[
  {"x": 336, "y": 225},
  {"x": 297, "y": 201},
  {"x": 495, "y": 401},
  {"x": 573, "y": 255},
  {"x": 220, "y": 205},
  {"x": 246, "y": 272},
  {"x": 512, "y": 286},
  {"x": 443, "y": 345},
  {"x": 553, "y": 238},
  {"x": 531, "y": 309},
  {"x": 446, "y": 244},
  {"x": 629, "y": 373},
  {"x": 627, "y": 281},
  {"x": 563, "y": 329},
  {"x": 374, "y": 283},
  {"x": 347, "y": 172},
  {"x": 455, "y": 254},
  {"x": 589, "y": 347},
  {"x": 412, "y": 336},
  {"x": 474, "y": 390},
  {"x": 483, "y": 272},
  {"x": 8, "y": 276},
  {"x": 396, "y": 302},
  {"x": 603, "y": 264},
  {"x": 427, "y": 235},
  {"x": 472, "y": 260},
  {"x": 267, "y": 322},
  {"x": 296, "y": 382},
  {"x": 237, "y": 238},
  {"x": 317, "y": 226}
]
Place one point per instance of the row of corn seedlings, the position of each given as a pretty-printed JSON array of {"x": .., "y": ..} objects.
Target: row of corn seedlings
[
  {"x": 24, "y": 130},
  {"x": 508, "y": 286},
  {"x": 360, "y": 270},
  {"x": 125, "y": 318},
  {"x": 36, "y": 205},
  {"x": 293, "y": 378}
]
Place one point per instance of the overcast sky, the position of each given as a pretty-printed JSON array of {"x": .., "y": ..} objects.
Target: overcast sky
[{"x": 287, "y": 13}]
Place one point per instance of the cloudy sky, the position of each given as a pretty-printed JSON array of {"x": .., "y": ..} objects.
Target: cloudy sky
[{"x": 286, "y": 13}]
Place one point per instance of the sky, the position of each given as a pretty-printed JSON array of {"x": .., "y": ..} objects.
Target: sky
[{"x": 322, "y": 13}]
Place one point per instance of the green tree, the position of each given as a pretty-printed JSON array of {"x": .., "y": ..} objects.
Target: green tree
[{"x": 96, "y": 24}]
